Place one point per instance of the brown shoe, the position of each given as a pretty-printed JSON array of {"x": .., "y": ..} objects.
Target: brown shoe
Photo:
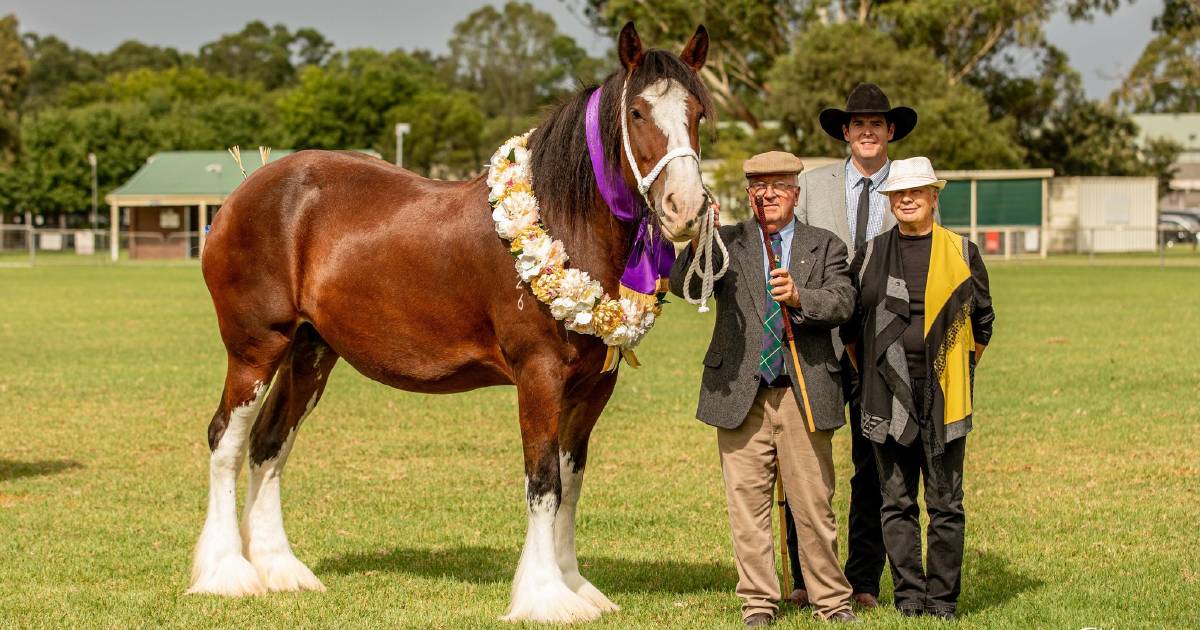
[
  {"x": 866, "y": 601},
  {"x": 759, "y": 620},
  {"x": 799, "y": 597},
  {"x": 843, "y": 616}
]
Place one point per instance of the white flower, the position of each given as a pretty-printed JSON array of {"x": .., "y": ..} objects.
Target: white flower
[
  {"x": 563, "y": 307},
  {"x": 496, "y": 171},
  {"x": 515, "y": 213},
  {"x": 578, "y": 284},
  {"x": 582, "y": 322},
  {"x": 538, "y": 254},
  {"x": 521, "y": 154}
]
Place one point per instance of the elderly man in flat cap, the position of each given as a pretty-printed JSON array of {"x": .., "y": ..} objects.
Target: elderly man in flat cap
[{"x": 750, "y": 388}]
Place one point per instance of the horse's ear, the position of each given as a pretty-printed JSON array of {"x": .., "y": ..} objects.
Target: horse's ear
[
  {"x": 629, "y": 47},
  {"x": 696, "y": 50}
]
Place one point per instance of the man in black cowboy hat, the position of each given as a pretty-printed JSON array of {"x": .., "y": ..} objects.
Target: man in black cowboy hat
[{"x": 844, "y": 198}]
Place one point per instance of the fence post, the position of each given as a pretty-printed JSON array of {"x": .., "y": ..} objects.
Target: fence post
[
  {"x": 1091, "y": 246},
  {"x": 974, "y": 213},
  {"x": 29, "y": 238},
  {"x": 1162, "y": 250},
  {"x": 114, "y": 230}
]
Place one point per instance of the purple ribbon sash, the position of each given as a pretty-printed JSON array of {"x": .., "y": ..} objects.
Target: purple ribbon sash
[{"x": 650, "y": 257}]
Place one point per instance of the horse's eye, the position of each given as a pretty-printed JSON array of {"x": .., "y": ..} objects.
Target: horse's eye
[{"x": 637, "y": 115}]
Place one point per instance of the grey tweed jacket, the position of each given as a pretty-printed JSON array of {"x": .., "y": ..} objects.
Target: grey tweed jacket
[{"x": 730, "y": 380}]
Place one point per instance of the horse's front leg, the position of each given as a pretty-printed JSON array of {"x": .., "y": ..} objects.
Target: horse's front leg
[
  {"x": 583, "y": 410},
  {"x": 539, "y": 593}
]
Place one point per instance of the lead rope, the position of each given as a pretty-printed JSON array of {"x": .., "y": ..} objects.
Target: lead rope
[{"x": 702, "y": 261}]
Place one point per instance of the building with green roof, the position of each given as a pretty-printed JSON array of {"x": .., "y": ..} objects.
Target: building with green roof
[{"x": 170, "y": 197}]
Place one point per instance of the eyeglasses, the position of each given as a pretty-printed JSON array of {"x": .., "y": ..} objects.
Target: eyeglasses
[{"x": 760, "y": 188}]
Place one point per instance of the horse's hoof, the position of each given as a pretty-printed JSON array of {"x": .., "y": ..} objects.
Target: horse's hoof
[
  {"x": 231, "y": 576},
  {"x": 283, "y": 572},
  {"x": 551, "y": 602}
]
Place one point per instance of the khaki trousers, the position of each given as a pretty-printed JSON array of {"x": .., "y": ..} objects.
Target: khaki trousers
[{"x": 775, "y": 430}]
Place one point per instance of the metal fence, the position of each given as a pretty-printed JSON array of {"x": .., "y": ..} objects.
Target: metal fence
[{"x": 25, "y": 245}]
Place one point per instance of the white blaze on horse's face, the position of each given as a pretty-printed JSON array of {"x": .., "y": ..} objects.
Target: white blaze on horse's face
[{"x": 678, "y": 192}]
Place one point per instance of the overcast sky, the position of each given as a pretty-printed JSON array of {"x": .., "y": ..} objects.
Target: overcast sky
[{"x": 1102, "y": 51}]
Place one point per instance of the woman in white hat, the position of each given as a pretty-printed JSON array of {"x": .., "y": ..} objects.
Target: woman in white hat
[{"x": 923, "y": 319}]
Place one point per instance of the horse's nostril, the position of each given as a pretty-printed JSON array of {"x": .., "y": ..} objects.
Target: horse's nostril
[{"x": 669, "y": 202}]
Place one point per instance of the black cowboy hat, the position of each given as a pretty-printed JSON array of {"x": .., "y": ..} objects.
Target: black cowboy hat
[{"x": 867, "y": 98}]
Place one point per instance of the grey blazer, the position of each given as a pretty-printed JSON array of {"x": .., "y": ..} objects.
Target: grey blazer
[
  {"x": 822, "y": 202},
  {"x": 730, "y": 379}
]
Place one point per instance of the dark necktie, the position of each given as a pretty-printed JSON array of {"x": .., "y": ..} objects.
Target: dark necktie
[
  {"x": 864, "y": 214},
  {"x": 770, "y": 361}
]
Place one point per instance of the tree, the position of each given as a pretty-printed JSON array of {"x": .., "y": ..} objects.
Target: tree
[
  {"x": 343, "y": 105},
  {"x": 1084, "y": 137},
  {"x": 132, "y": 55},
  {"x": 14, "y": 73},
  {"x": 516, "y": 60},
  {"x": 1166, "y": 77},
  {"x": 746, "y": 37},
  {"x": 126, "y": 119},
  {"x": 955, "y": 126},
  {"x": 967, "y": 36},
  {"x": 54, "y": 66},
  {"x": 269, "y": 55},
  {"x": 447, "y": 133},
  {"x": 161, "y": 90}
]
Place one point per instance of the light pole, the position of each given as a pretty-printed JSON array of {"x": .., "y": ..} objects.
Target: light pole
[
  {"x": 401, "y": 129},
  {"x": 92, "y": 217}
]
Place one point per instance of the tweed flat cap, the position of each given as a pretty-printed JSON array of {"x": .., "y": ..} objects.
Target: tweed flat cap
[{"x": 772, "y": 162}]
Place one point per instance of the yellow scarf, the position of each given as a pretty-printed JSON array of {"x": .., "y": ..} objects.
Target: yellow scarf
[{"x": 948, "y": 270}]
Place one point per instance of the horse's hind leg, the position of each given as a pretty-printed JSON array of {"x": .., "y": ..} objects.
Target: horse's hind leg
[
  {"x": 219, "y": 566},
  {"x": 582, "y": 411},
  {"x": 296, "y": 390}
]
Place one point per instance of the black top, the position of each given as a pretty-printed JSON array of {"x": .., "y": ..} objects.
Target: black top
[{"x": 914, "y": 257}]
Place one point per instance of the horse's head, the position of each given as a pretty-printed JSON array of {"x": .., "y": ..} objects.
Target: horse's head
[{"x": 665, "y": 102}]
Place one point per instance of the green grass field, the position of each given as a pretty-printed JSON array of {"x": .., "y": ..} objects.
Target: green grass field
[{"x": 1083, "y": 473}]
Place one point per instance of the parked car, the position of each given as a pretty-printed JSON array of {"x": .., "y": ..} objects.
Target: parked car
[{"x": 1178, "y": 226}]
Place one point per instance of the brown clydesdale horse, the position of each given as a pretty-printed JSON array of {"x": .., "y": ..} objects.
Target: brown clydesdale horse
[{"x": 322, "y": 255}]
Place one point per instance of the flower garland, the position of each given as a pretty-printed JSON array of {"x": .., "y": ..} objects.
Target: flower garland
[{"x": 573, "y": 296}]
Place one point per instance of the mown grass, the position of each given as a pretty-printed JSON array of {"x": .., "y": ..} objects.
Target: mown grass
[{"x": 1083, "y": 473}]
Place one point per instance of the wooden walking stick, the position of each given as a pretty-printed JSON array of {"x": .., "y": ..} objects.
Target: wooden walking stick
[{"x": 787, "y": 322}]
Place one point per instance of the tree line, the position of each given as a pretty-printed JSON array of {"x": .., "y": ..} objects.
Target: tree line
[{"x": 991, "y": 90}]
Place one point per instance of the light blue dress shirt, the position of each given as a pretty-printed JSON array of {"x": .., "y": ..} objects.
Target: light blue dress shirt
[{"x": 879, "y": 201}]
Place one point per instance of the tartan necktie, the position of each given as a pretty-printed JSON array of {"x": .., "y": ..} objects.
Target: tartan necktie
[
  {"x": 770, "y": 361},
  {"x": 864, "y": 214}
]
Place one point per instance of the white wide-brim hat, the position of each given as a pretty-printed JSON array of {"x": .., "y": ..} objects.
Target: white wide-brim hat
[{"x": 911, "y": 173}]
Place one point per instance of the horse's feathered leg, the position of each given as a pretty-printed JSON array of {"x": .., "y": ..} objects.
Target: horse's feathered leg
[
  {"x": 219, "y": 567},
  {"x": 539, "y": 593},
  {"x": 297, "y": 389},
  {"x": 584, "y": 408}
]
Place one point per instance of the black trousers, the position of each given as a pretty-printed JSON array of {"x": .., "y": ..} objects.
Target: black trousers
[
  {"x": 864, "y": 562},
  {"x": 901, "y": 468}
]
